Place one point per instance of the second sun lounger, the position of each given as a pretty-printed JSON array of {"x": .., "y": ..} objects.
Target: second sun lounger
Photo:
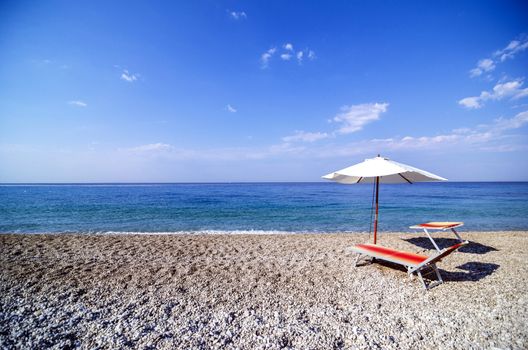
[
  {"x": 435, "y": 225},
  {"x": 414, "y": 263}
]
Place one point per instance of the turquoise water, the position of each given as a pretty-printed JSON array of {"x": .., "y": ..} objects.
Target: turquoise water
[{"x": 257, "y": 207}]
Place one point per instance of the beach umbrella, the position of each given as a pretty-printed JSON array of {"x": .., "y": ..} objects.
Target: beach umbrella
[{"x": 381, "y": 170}]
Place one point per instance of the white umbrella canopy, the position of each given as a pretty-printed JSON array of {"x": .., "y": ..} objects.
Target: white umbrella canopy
[
  {"x": 384, "y": 170},
  {"x": 387, "y": 170}
]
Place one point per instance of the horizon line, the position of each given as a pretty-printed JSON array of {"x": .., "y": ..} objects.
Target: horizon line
[{"x": 235, "y": 182}]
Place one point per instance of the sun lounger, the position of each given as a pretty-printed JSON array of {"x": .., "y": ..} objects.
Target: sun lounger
[
  {"x": 435, "y": 225},
  {"x": 414, "y": 263}
]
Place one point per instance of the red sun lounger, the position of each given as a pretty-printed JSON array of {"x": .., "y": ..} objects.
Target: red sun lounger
[
  {"x": 414, "y": 263},
  {"x": 435, "y": 225}
]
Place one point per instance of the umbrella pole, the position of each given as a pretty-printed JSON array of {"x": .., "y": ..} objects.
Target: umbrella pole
[{"x": 376, "y": 215}]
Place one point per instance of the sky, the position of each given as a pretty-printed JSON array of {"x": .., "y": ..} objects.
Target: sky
[{"x": 228, "y": 91}]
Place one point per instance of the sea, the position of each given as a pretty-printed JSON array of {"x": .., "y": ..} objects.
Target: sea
[{"x": 257, "y": 208}]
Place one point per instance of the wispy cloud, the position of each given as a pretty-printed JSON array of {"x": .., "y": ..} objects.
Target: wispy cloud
[
  {"x": 511, "y": 89},
  {"x": 266, "y": 56},
  {"x": 299, "y": 56},
  {"x": 512, "y": 49},
  {"x": 173, "y": 153},
  {"x": 501, "y": 135},
  {"x": 470, "y": 102},
  {"x": 230, "y": 108},
  {"x": 305, "y": 136},
  {"x": 237, "y": 15},
  {"x": 127, "y": 76},
  {"x": 78, "y": 103},
  {"x": 481, "y": 136},
  {"x": 487, "y": 65},
  {"x": 495, "y": 137},
  {"x": 286, "y": 53},
  {"x": 354, "y": 118},
  {"x": 483, "y": 66},
  {"x": 306, "y": 53},
  {"x": 149, "y": 148},
  {"x": 516, "y": 122},
  {"x": 351, "y": 119}
]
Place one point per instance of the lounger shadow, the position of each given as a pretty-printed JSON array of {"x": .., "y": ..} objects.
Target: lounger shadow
[
  {"x": 474, "y": 271},
  {"x": 472, "y": 247},
  {"x": 415, "y": 264}
]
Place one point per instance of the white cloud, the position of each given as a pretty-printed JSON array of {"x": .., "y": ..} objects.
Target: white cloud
[
  {"x": 305, "y": 136},
  {"x": 150, "y": 148},
  {"x": 354, "y": 118},
  {"x": 266, "y": 56},
  {"x": 300, "y": 56},
  {"x": 127, "y": 76},
  {"x": 470, "y": 102},
  {"x": 483, "y": 66},
  {"x": 288, "y": 47},
  {"x": 511, "y": 89},
  {"x": 238, "y": 15},
  {"x": 485, "y": 137},
  {"x": 78, "y": 103},
  {"x": 286, "y": 53},
  {"x": 231, "y": 109},
  {"x": 487, "y": 65},
  {"x": 306, "y": 53},
  {"x": 172, "y": 153},
  {"x": 512, "y": 123},
  {"x": 513, "y": 48},
  {"x": 489, "y": 138}
]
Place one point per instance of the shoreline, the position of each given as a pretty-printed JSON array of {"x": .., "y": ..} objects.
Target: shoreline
[
  {"x": 253, "y": 233},
  {"x": 257, "y": 291}
]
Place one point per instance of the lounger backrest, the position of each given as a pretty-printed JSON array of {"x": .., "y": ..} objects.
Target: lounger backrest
[{"x": 442, "y": 254}]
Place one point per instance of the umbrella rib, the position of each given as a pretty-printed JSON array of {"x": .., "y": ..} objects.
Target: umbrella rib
[
  {"x": 403, "y": 177},
  {"x": 361, "y": 178}
]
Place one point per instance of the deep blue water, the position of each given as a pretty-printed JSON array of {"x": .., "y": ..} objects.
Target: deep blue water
[{"x": 292, "y": 207}]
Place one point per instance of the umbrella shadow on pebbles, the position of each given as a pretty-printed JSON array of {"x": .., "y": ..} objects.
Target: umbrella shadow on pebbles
[{"x": 471, "y": 248}]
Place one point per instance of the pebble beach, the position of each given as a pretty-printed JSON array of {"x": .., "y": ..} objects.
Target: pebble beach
[{"x": 293, "y": 291}]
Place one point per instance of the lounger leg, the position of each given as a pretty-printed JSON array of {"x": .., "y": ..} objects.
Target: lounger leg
[
  {"x": 431, "y": 238},
  {"x": 357, "y": 260},
  {"x": 432, "y": 284},
  {"x": 440, "y": 280},
  {"x": 411, "y": 276},
  {"x": 456, "y": 234},
  {"x": 421, "y": 279}
]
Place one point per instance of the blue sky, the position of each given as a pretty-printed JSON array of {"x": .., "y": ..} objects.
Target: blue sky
[{"x": 108, "y": 91}]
